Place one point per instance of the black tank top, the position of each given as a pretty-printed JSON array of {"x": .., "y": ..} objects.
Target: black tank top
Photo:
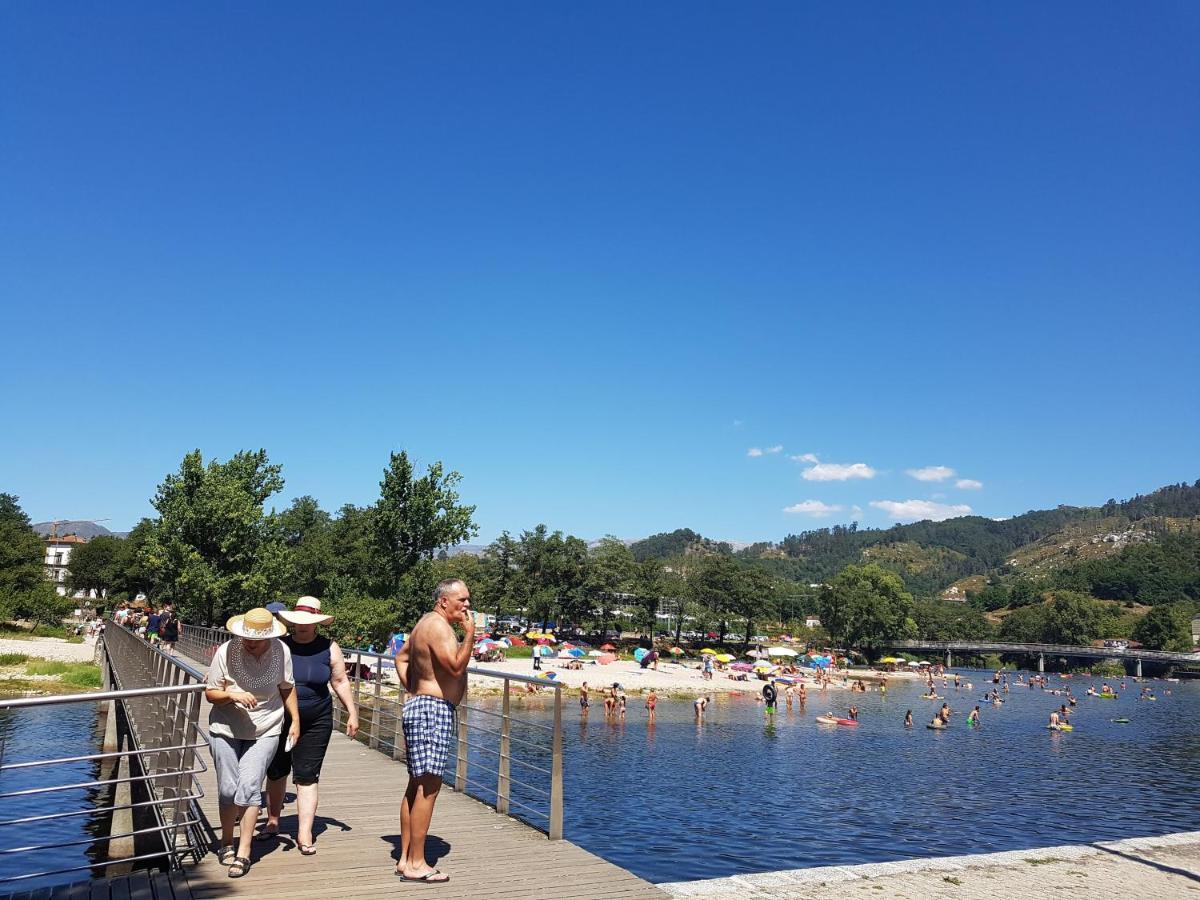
[{"x": 311, "y": 669}]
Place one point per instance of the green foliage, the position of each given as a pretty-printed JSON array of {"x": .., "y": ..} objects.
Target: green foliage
[
  {"x": 212, "y": 548},
  {"x": 84, "y": 675},
  {"x": 21, "y": 559},
  {"x": 866, "y": 605},
  {"x": 941, "y": 620},
  {"x": 416, "y": 516},
  {"x": 676, "y": 543},
  {"x": 362, "y": 621},
  {"x": 96, "y": 565},
  {"x": 12, "y": 659},
  {"x": 306, "y": 531},
  {"x": 1107, "y": 668},
  {"x": 1164, "y": 571},
  {"x": 1167, "y": 627}
]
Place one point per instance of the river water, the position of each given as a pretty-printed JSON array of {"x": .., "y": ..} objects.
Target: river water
[
  {"x": 45, "y": 733},
  {"x": 681, "y": 801}
]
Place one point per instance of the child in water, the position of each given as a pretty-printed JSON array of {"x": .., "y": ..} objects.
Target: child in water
[{"x": 908, "y": 719}]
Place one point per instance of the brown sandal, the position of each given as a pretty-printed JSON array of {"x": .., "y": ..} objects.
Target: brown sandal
[{"x": 239, "y": 867}]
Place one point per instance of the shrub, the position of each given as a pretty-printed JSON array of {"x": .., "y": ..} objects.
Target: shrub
[{"x": 12, "y": 659}]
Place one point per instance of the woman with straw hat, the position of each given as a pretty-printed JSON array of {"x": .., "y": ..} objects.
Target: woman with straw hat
[
  {"x": 250, "y": 686},
  {"x": 318, "y": 665}
]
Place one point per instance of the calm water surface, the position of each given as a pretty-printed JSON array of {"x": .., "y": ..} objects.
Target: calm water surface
[
  {"x": 45, "y": 733},
  {"x": 677, "y": 801}
]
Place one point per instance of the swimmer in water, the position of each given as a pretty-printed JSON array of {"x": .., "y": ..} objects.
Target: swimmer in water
[
  {"x": 908, "y": 719},
  {"x": 973, "y": 717},
  {"x": 853, "y": 713},
  {"x": 700, "y": 706}
]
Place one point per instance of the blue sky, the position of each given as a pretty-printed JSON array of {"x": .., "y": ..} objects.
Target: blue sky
[{"x": 592, "y": 256}]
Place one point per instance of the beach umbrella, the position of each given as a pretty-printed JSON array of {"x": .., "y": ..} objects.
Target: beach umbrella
[
  {"x": 757, "y": 653},
  {"x": 913, "y": 662},
  {"x": 709, "y": 650},
  {"x": 543, "y": 641},
  {"x": 574, "y": 652},
  {"x": 781, "y": 651},
  {"x": 724, "y": 657},
  {"x": 606, "y": 658},
  {"x": 676, "y": 651},
  {"x": 516, "y": 641},
  {"x": 595, "y": 653},
  {"x": 396, "y": 643},
  {"x": 567, "y": 645},
  {"x": 507, "y": 642},
  {"x": 639, "y": 653},
  {"x": 549, "y": 676},
  {"x": 890, "y": 660},
  {"x": 607, "y": 647}
]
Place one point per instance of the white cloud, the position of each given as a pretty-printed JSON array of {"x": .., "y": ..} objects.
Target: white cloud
[
  {"x": 968, "y": 484},
  {"x": 913, "y": 510},
  {"x": 856, "y": 510},
  {"x": 778, "y": 448},
  {"x": 804, "y": 457},
  {"x": 932, "y": 473},
  {"x": 814, "y": 508},
  {"x": 754, "y": 451},
  {"x": 837, "y": 472}
]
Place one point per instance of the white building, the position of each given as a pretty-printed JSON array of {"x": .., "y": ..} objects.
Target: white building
[
  {"x": 812, "y": 622},
  {"x": 58, "y": 563}
]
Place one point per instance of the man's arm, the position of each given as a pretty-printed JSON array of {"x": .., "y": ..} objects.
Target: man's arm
[{"x": 449, "y": 653}]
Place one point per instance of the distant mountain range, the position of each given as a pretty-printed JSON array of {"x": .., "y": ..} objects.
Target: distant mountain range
[{"x": 84, "y": 529}]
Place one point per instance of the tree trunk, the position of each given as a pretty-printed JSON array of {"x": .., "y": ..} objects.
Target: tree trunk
[
  {"x": 749, "y": 629},
  {"x": 721, "y": 639}
]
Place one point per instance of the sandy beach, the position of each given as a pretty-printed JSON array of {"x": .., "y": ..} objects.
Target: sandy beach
[{"x": 671, "y": 679}]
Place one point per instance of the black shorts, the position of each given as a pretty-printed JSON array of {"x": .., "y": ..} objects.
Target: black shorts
[{"x": 306, "y": 758}]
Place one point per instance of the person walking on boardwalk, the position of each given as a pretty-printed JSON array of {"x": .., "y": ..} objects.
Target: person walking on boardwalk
[
  {"x": 250, "y": 686},
  {"x": 432, "y": 666},
  {"x": 318, "y": 665}
]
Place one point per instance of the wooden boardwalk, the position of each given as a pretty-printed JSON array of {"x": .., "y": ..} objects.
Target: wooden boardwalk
[{"x": 357, "y": 837}]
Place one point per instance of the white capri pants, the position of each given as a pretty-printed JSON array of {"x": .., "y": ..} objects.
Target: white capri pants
[{"x": 241, "y": 767}]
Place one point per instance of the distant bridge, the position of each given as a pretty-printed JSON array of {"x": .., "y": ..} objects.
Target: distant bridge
[{"x": 1041, "y": 651}]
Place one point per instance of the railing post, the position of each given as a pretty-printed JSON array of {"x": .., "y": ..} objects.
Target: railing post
[
  {"x": 556, "y": 771},
  {"x": 373, "y": 742},
  {"x": 460, "y": 768},
  {"x": 503, "y": 784}
]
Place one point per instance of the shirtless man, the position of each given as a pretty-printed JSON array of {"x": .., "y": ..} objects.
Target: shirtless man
[{"x": 432, "y": 666}]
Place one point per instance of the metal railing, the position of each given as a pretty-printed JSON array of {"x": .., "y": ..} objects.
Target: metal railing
[
  {"x": 533, "y": 793},
  {"x": 153, "y": 756}
]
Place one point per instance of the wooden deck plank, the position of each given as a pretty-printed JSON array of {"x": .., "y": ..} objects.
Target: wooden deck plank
[{"x": 358, "y": 840}]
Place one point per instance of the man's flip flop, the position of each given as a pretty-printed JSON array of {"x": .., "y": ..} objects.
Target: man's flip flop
[{"x": 431, "y": 877}]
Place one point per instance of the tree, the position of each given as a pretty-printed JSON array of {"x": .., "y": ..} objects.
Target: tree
[
  {"x": 22, "y": 555},
  {"x": 611, "y": 571},
  {"x": 212, "y": 549},
  {"x": 940, "y": 620},
  {"x": 499, "y": 573},
  {"x": 414, "y": 517},
  {"x": 865, "y": 606},
  {"x": 97, "y": 565},
  {"x": 552, "y": 570},
  {"x": 1167, "y": 626},
  {"x": 306, "y": 531},
  {"x": 1072, "y": 618},
  {"x": 719, "y": 586}
]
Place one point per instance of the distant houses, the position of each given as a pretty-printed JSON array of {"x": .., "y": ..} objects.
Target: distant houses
[
  {"x": 57, "y": 560},
  {"x": 1196, "y": 631}
]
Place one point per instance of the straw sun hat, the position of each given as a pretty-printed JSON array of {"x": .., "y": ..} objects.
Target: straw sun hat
[
  {"x": 258, "y": 624},
  {"x": 307, "y": 612}
]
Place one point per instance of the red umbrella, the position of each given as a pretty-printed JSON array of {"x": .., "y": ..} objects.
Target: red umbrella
[
  {"x": 543, "y": 641},
  {"x": 607, "y": 647},
  {"x": 605, "y": 658}
]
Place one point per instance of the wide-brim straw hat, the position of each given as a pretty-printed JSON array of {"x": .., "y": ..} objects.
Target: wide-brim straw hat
[
  {"x": 257, "y": 625},
  {"x": 306, "y": 612}
]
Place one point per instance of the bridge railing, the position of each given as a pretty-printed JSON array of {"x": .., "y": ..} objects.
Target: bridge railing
[
  {"x": 509, "y": 762},
  {"x": 150, "y": 766}
]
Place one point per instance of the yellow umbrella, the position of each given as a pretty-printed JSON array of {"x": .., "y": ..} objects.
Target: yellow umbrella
[
  {"x": 891, "y": 659},
  {"x": 723, "y": 657},
  {"x": 709, "y": 650}
]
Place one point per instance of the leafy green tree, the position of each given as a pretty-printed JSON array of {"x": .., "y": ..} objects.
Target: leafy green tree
[
  {"x": 22, "y": 557},
  {"x": 866, "y": 605},
  {"x": 1167, "y": 626},
  {"x": 757, "y": 596},
  {"x": 1072, "y": 618},
  {"x": 352, "y": 547},
  {"x": 499, "y": 574},
  {"x": 212, "y": 548},
  {"x": 1026, "y": 625},
  {"x": 719, "y": 585},
  {"x": 940, "y": 620},
  {"x": 611, "y": 571},
  {"x": 416, "y": 516},
  {"x": 306, "y": 531},
  {"x": 553, "y": 569},
  {"x": 97, "y": 565}
]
